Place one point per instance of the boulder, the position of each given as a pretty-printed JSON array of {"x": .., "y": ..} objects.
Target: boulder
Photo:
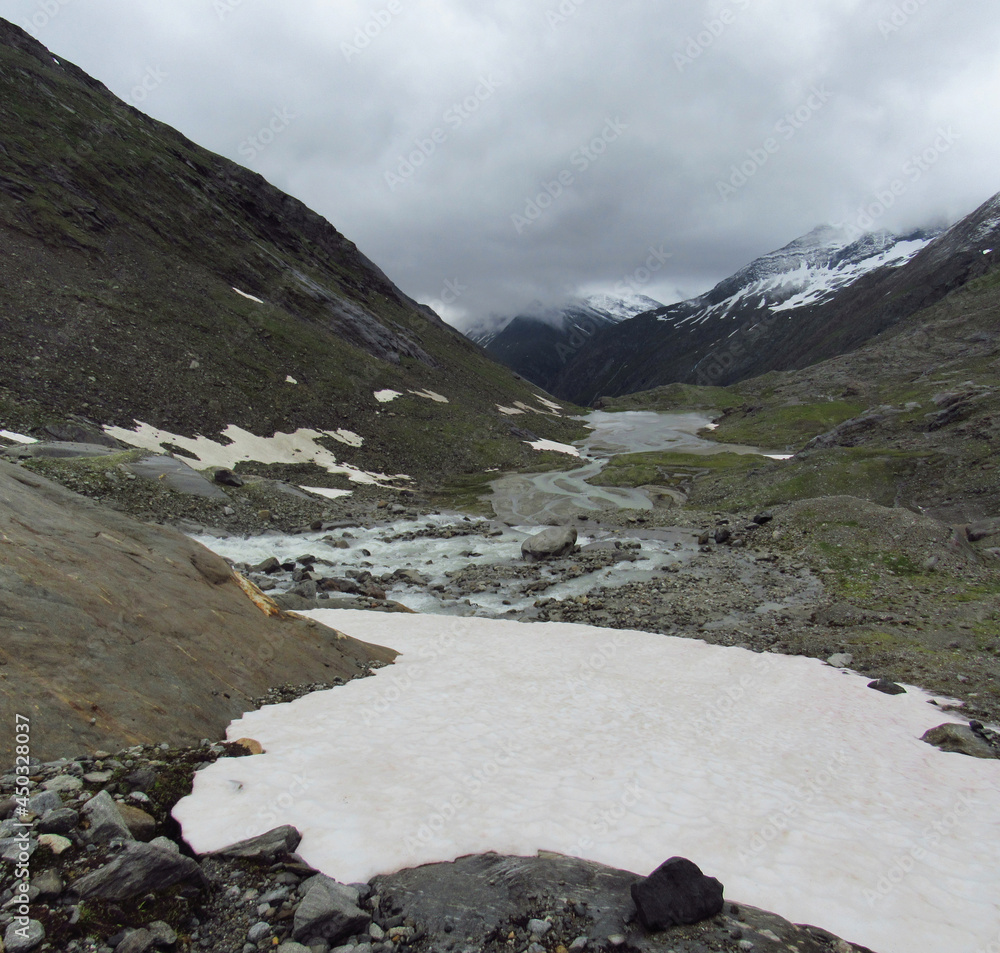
[
  {"x": 328, "y": 911},
  {"x": 104, "y": 819},
  {"x": 271, "y": 846},
  {"x": 138, "y": 869},
  {"x": 23, "y": 938},
  {"x": 887, "y": 687},
  {"x": 176, "y": 474},
  {"x": 550, "y": 543},
  {"x": 960, "y": 739},
  {"x": 675, "y": 894},
  {"x": 227, "y": 477},
  {"x": 983, "y": 529},
  {"x": 142, "y": 826}
]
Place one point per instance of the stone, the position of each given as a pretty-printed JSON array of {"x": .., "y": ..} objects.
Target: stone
[
  {"x": 268, "y": 565},
  {"x": 259, "y": 931},
  {"x": 251, "y": 744},
  {"x": 142, "y": 826},
  {"x": 549, "y": 543},
  {"x": 48, "y": 884},
  {"x": 63, "y": 784},
  {"x": 139, "y": 868},
  {"x": 23, "y": 939},
  {"x": 163, "y": 933},
  {"x": 676, "y": 893},
  {"x": 290, "y": 946},
  {"x": 841, "y": 660},
  {"x": 328, "y": 910},
  {"x": 539, "y": 927},
  {"x": 55, "y": 843},
  {"x": 137, "y": 941},
  {"x": 13, "y": 848},
  {"x": 271, "y": 846},
  {"x": 887, "y": 687},
  {"x": 227, "y": 477},
  {"x": 960, "y": 739},
  {"x": 723, "y": 535},
  {"x": 42, "y": 803},
  {"x": 762, "y": 518},
  {"x": 61, "y": 821},
  {"x": 105, "y": 820},
  {"x": 165, "y": 843}
]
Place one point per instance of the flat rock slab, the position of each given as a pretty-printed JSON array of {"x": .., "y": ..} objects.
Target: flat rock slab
[
  {"x": 61, "y": 449},
  {"x": 121, "y": 632},
  {"x": 481, "y": 898},
  {"x": 177, "y": 475}
]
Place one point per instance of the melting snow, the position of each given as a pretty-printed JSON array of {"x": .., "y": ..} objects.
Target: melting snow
[
  {"x": 249, "y": 296},
  {"x": 804, "y": 791},
  {"x": 385, "y": 396},
  {"x": 509, "y": 411},
  {"x": 430, "y": 395},
  {"x": 554, "y": 445},
  {"x": 298, "y": 447},
  {"x": 326, "y": 491},
  {"x": 290, "y": 380},
  {"x": 17, "y": 437}
]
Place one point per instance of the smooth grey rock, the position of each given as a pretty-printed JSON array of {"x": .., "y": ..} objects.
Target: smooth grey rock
[
  {"x": 549, "y": 543},
  {"x": 290, "y": 946},
  {"x": 165, "y": 843},
  {"x": 48, "y": 884},
  {"x": 960, "y": 739},
  {"x": 840, "y": 660},
  {"x": 63, "y": 784},
  {"x": 176, "y": 474},
  {"x": 675, "y": 894},
  {"x": 270, "y": 846},
  {"x": 139, "y": 868},
  {"x": 163, "y": 933},
  {"x": 23, "y": 939},
  {"x": 106, "y": 822},
  {"x": 44, "y": 802},
  {"x": 259, "y": 931},
  {"x": 138, "y": 941},
  {"x": 328, "y": 910}
]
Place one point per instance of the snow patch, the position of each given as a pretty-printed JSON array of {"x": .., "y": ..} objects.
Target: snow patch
[
  {"x": 509, "y": 411},
  {"x": 298, "y": 447},
  {"x": 626, "y": 748},
  {"x": 250, "y": 297},
  {"x": 387, "y": 396},
  {"x": 328, "y": 492},
  {"x": 553, "y": 445},
  {"x": 17, "y": 437},
  {"x": 548, "y": 403},
  {"x": 430, "y": 395},
  {"x": 346, "y": 436},
  {"x": 290, "y": 380}
]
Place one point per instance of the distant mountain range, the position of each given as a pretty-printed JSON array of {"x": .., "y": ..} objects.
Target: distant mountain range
[
  {"x": 819, "y": 296},
  {"x": 537, "y": 344}
]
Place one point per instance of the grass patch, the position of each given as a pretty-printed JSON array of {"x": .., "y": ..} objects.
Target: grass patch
[
  {"x": 666, "y": 469},
  {"x": 786, "y": 426}
]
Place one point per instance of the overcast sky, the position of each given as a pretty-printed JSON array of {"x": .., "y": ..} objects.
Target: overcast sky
[{"x": 488, "y": 154}]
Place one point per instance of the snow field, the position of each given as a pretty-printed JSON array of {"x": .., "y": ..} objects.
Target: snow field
[{"x": 804, "y": 791}]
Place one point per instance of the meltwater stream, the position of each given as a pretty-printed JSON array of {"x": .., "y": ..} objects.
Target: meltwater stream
[
  {"x": 553, "y": 498},
  {"x": 416, "y": 561}
]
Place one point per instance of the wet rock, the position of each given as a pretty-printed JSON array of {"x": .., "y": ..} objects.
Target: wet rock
[
  {"x": 960, "y": 739},
  {"x": 550, "y": 543},
  {"x": 887, "y": 687},
  {"x": 676, "y": 893},
  {"x": 269, "y": 565}
]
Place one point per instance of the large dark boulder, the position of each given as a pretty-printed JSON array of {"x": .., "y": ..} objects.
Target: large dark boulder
[{"x": 675, "y": 894}]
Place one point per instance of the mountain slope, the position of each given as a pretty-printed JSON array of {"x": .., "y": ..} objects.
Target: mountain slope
[
  {"x": 822, "y": 295},
  {"x": 147, "y": 279},
  {"x": 538, "y": 345}
]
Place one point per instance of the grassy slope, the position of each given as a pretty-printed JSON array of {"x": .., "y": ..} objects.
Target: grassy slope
[{"x": 122, "y": 240}]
